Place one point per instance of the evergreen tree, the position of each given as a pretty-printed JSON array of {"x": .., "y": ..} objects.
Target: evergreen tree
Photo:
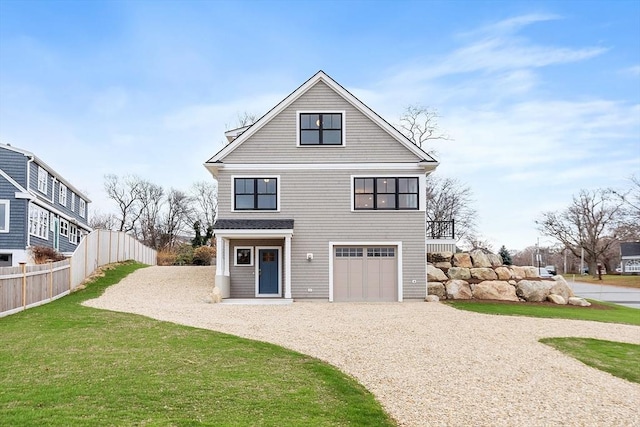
[{"x": 506, "y": 257}]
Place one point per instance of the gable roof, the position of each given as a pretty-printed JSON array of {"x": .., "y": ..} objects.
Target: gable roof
[
  {"x": 321, "y": 76},
  {"x": 629, "y": 249}
]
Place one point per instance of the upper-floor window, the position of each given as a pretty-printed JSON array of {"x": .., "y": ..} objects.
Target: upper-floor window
[
  {"x": 73, "y": 234},
  {"x": 43, "y": 177},
  {"x": 73, "y": 201},
  {"x": 255, "y": 194},
  {"x": 386, "y": 193},
  {"x": 62, "y": 197},
  {"x": 321, "y": 128},
  {"x": 4, "y": 216},
  {"x": 38, "y": 222},
  {"x": 82, "y": 209},
  {"x": 64, "y": 227}
]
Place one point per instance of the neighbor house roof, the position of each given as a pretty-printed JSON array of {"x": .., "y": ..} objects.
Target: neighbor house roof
[
  {"x": 253, "y": 224},
  {"x": 630, "y": 249},
  {"x": 242, "y": 134}
]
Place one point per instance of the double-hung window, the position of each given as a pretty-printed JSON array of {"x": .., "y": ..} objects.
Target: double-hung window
[
  {"x": 255, "y": 194},
  {"x": 321, "y": 128},
  {"x": 73, "y": 234},
  {"x": 82, "y": 210},
  {"x": 64, "y": 227},
  {"x": 43, "y": 177},
  {"x": 38, "y": 222},
  {"x": 385, "y": 193},
  {"x": 62, "y": 196},
  {"x": 73, "y": 201},
  {"x": 4, "y": 216}
]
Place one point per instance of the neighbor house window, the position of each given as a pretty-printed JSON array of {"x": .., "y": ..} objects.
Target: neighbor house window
[
  {"x": 83, "y": 208},
  {"x": 244, "y": 256},
  {"x": 321, "y": 128},
  {"x": 4, "y": 216},
  {"x": 62, "y": 197},
  {"x": 255, "y": 193},
  {"x": 43, "y": 177},
  {"x": 73, "y": 234},
  {"x": 385, "y": 193},
  {"x": 64, "y": 227},
  {"x": 73, "y": 202},
  {"x": 38, "y": 222}
]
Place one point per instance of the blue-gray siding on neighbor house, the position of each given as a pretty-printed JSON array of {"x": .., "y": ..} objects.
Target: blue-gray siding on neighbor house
[
  {"x": 15, "y": 165},
  {"x": 16, "y": 238}
]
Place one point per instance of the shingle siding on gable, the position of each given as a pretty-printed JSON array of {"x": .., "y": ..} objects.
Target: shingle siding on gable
[
  {"x": 16, "y": 237},
  {"x": 276, "y": 141},
  {"x": 15, "y": 165}
]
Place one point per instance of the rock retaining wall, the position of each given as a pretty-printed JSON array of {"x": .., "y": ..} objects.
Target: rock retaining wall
[{"x": 480, "y": 275}]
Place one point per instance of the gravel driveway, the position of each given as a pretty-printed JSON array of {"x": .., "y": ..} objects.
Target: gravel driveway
[{"x": 427, "y": 363}]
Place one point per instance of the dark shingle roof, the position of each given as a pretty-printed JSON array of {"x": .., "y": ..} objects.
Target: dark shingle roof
[
  {"x": 630, "y": 248},
  {"x": 253, "y": 224}
]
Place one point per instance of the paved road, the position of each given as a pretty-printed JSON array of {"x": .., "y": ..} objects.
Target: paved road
[{"x": 616, "y": 294}]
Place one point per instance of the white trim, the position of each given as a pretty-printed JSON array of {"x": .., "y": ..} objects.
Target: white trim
[
  {"x": 62, "y": 194},
  {"x": 40, "y": 222},
  {"x": 235, "y": 256},
  {"x": 66, "y": 226},
  {"x": 73, "y": 201},
  {"x": 13, "y": 182},
  {"x": 320, "y": 111},
  {"x": 73, "y": 232},
  {"x": 287, "y": 267},
  {"x": 257, "y": 272},
  {"x": 43, "y": 180},
  {"x": 219, "y": 256},
  {"x": 82, "y": 208},
  {"x": 398, "y": 244},
  {"x": 257, "y": 234},
  {"x": 255, "y": 176},
  {"x": 47, "y": 206},
  {"x": 7, "y": 216},
  {"x": 355, "y": 102},
  {"x": 422, "y": 192},
  {"x": 412, "y": 166}
]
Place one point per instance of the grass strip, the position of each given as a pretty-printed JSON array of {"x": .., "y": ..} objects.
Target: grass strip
[
  {"x": 617, "y": 358},
  {"x": 66, "y": 364},
  {"x": 598, "y": 312}
]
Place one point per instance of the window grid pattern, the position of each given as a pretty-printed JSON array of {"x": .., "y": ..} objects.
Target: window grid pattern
[
  {"x": 381, "y": 252},
  {"x": 321, "y": 129},
  {"x": 82, "y": 209},
  {"x": 349, "y": 252},
  {"x": 386, "y": 193},
  {"x": 73, "y": 234},
  {"x": 64, "y": 227},
  {"x": 38, "y": 222},
  {"x": 255, "y": 194},
  {"x": 73, "y": 202},
  {"x": 62, "y": 195},
  {"x": 632, "y": 266},
  {"x": 5, "y": 213},
  {"x": 43, "y": 177}
]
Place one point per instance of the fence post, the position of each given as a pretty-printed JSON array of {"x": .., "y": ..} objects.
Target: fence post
[
  {"x": 98, "y": 251},
  {"x": 23, "y": 265},
  {"x": 50, "y": 279},
  {"x": 70, "y": 273},
  {"x": 110, "y": 247}
]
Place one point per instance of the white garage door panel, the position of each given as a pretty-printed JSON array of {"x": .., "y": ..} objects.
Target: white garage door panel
[{"x": 365, "y": 274}]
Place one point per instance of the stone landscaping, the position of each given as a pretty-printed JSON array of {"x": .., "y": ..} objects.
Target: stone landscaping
[{"x": 481, "y": 275}]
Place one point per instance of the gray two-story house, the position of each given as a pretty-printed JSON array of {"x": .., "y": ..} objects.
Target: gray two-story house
[
  {"x": 321, "y": 198},
  {"x": 38, "y": 207}
]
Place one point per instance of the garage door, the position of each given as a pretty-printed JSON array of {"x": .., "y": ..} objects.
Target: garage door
[{"x": 365, "y": 273}]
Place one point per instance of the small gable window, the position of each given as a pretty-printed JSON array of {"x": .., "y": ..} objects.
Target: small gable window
[{"x": 321, "y": 128}]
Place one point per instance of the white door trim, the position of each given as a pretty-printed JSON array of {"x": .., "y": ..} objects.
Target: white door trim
[
  {"x": 398, "y": 244},
  {"x": 257, "y": 271}
]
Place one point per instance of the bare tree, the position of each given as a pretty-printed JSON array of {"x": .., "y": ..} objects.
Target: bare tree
[
  {"x": 151, "y": 202},
  {"x": 628, "y": 227},
  {"x": 126, "y": 192},
  {"x": 103, "y": 221},
  {"x": 205, "y": 202},
  {"x": 175, "y": 220},
  {"x": 246, "y": 119},
  {"x": 588, "y": 223},
  {"x": 448, "y": 199},
  {"x": 420, "y": 124}
]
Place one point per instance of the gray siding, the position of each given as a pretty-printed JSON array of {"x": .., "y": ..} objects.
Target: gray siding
[
  {"x": 16, "y": 238},
  {"x": 243, "y": 278},
  {"x": 276, "y": 141},
  {"x": 320, "y": 204},
  {"x": 15, "y": 165}
]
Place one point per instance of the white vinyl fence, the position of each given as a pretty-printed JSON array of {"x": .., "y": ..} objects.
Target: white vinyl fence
[{"x": 28, "y": 286}]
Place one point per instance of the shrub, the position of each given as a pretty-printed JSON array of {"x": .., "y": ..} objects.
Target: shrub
[
  {"x": 203, "y": 255},
  {"x": 184, "y": 255},
  {"x": 43, "y": 254},
  {"x": 166, "y": 257}
]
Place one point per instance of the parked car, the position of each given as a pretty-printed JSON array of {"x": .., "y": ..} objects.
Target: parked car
[
  {"x": 544, "y": 273},
  {"x": 552, "y": 269}
]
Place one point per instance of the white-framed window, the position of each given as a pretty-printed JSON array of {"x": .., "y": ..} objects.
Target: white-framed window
[
  {"x": 62, "y": 197},
  {"x": 73, "y": 201},
  {"x": 4, "y": 216},
  {"x": 82, "y": 210},
  {"x": 38, "y": 222},
  {"x": 64, "y": 227},
  {"x": 73, "y": 234},
  {"x": 320, "y": 128},
  {"x": 243, "y": 256},
  {"x": 43, "y": 178}
]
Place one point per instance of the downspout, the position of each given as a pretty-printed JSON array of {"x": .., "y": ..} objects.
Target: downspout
[{"x": 31, "y": 159}]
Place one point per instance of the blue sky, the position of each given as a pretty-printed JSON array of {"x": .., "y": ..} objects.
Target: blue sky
[{"x": 542, "y": 98}]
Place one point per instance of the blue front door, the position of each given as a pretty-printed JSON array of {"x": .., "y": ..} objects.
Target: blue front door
[{"x": 268, "y": 271}]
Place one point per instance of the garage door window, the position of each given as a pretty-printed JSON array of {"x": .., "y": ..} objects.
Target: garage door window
[
  {"x": 381, "y": 252},
  {"x": 349, "y": 252}
]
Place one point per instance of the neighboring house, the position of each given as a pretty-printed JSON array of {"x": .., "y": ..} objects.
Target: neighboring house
[
  {"x": 321, "y": 198},
  {"x": 38, "y": 207},
  {"x": 630, "y": 257}
]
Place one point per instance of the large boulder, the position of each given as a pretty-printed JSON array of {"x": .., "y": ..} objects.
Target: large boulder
[
  {"x": 444, "y": 264},
  {"x": 444, "y": 256},
  {"x": 458, "y": 289},
  {"x": 435, "y": 274},
  {"x": 495, "y": 290},
  {"x": 578, "y": 301},
  {"x": 460, "y": 273},
  {"x": 432, "y": 298},
  {"x": 533, "y": 290},
  {"x": 479, "y": 259},
  {"x": 495, "y": 260},
  {"x": 561, "y": 287},
  {"x": 503, "y": 273},
  {"x": 517, "y": 272},
  {"x": 483, "y": 274},
  {"x": 531, "y": 272},
  {"x": 462, "y": 259},
  {"x": 557, "y": 299},
  {"x": 436, "y": 288}
]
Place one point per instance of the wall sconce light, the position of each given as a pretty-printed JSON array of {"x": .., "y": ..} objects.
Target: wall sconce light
[{"x": 309, "y": 256}]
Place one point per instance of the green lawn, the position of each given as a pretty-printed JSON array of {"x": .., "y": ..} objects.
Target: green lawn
[
  {"x": 607, "y": 279},
  {"x": 599, "y": 311},
  {"x": 619, "y": 359},
  {"x": 65, "y": 364}
]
